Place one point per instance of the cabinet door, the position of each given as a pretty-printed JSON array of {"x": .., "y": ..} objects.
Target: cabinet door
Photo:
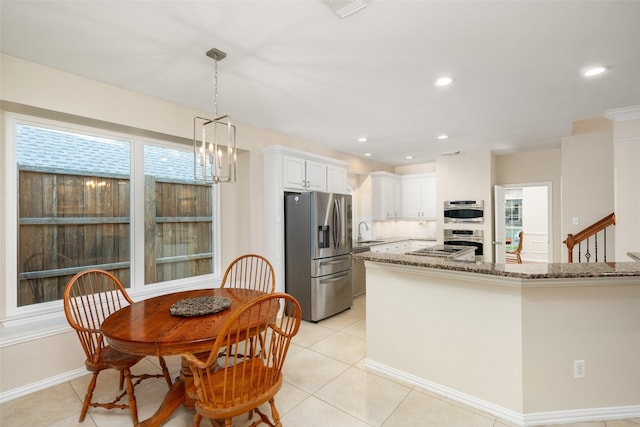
[
  {"x": 386, "y": 197},
  {"x": 294, "y": 173},
  {"x": 336, "y": 180},
  {"x": 428, "y": 197},
  {"x": 316, "y": 176},
  {"x": 419, "y": 197},
  {"x": 397, "y": 198},
  {"x": 411, "y": 197},
  {"x": 378, "y": 200}
]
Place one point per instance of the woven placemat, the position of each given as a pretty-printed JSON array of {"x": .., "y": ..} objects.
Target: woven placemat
[{"x": 199, "y": 306}]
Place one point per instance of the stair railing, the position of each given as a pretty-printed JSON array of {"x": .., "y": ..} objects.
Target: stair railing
[{"x": 585, "y": 235}]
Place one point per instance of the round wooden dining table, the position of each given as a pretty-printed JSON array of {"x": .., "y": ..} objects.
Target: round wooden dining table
[{"x": 148, "y": 328}]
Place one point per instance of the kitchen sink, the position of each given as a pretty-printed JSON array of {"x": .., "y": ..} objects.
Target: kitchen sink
[{"x": 362, "y": 242}]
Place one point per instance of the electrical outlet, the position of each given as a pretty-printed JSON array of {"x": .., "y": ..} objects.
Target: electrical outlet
[
  {"x": 575, "y": 220},
  {"x": 579, "y": 369}
]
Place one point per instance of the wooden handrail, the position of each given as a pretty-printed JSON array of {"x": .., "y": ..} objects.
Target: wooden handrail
[{"x": 574, "y": 239}]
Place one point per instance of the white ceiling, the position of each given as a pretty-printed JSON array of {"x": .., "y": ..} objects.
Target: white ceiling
[{"x": 296, "y": 68}]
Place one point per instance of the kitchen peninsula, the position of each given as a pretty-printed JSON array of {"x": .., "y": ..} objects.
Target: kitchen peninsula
[{"x": 531, "y": 343}]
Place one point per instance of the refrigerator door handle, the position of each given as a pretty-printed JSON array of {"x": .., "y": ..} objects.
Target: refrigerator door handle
[
  {"x": 335, "y": 279},
  {"x": 336, "y": 223},
  {"x": 339, "y": 261}
]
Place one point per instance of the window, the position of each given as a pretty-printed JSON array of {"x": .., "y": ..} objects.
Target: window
[
  {"x": 513, "y": 216},
  {"x": 178, "y": 217},
  {"x": 76, "y": 209}
]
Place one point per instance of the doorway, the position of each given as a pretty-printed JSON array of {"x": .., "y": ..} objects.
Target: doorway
[{"x": 526, "y": 208}]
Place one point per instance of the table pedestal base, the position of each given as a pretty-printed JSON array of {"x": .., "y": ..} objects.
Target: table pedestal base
[{"x": 176, "y": 396}]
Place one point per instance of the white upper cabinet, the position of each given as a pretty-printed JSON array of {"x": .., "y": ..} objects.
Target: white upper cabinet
[
  {"x": 295, "y": 173},
  {"x": 306, "y": 175},
  {"x": 386, "y": 194},
  {"x": 336, "y": 179},
  {"x": 419, "y": 196}
]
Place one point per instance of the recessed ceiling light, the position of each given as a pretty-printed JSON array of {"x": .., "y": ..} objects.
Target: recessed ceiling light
[
  {"x": 443, "y": 81},
  {"x": 594, "y": 71},
  {"x": 367, "y": 154},
  {"x": 443, "y": 136},
  {"x": 409, "y": 157},
  {"x": 362, "y": 139}
]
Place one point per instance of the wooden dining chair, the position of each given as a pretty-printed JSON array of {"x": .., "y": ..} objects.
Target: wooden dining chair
[
  {"x": 516, "y": 253},
  {"x": 89, "y": 298},
  {"x": 250, "y": 271},
  {"x": 244, "y": 383}
]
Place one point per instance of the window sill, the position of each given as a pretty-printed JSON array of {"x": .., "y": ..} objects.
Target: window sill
[
  {"x": 19, "y": 331},
  {"x": 34, "y": 326}
]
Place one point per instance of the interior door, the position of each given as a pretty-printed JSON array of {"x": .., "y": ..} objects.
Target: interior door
[{"x": 499, "y": 227}]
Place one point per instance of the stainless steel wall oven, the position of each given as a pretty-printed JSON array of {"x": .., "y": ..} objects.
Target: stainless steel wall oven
[
  {"x": 464, "y": 211},
  {"x": 474, "y": 238}
]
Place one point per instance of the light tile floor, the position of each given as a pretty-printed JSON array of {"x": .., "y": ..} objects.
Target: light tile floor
[{"x": 326, "y": 384}]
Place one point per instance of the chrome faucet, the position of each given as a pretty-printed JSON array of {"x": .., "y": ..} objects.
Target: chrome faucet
[{"x": 359, "y": 232}]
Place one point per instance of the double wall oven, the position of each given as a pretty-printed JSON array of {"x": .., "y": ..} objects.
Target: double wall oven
[
  {"x": 464, "y": 212},
  {"x": 473, "y": 238}
]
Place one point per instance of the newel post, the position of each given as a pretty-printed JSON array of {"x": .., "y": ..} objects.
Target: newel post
[{"x": 569, "y": 241}]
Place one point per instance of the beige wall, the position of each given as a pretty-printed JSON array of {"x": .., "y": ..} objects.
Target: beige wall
[
  {"x": 456, "y": 333},
  {"x": 419, "y": 168},
  {"x": 508, "y": 345},
  {"x": 626, "y": 183},
  {"x": 595, "y": 323},
  {"x": 587, "y": 183},
  {"x": 535, "y": 167},
  {"x": 468, "y": 176},
  {"x": 29, "y": 88}
]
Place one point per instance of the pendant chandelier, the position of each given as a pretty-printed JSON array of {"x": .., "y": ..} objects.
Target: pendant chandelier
[{"x": 214, "y": 140}]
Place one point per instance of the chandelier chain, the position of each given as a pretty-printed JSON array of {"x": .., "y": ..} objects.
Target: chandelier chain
[
  {"x": 213, "y": 163},
  {"x": 215, "y": 87}
]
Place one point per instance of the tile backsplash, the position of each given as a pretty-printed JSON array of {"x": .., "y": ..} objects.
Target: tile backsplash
[{"x": 384, "y": 229}]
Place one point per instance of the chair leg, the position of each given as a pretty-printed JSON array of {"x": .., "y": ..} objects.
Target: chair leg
[
  {"x": 165, "y": 371},
  {"x": 121, "y": 383},
  {"x": 275, "y": 415},
  {"x": 196, "y": 420},
  {"x": 88, "y": 396},
  {"x": 132, "y": 398}
]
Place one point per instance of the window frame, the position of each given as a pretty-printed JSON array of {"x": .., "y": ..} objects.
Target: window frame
[{"x": 34, "y": 319}]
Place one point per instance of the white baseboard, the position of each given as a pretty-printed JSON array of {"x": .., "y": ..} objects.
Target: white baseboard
[
  {"x": 582, "y": 415},
  {"x": 524, "y": 420},
  {"x": 41, "y": 385}
]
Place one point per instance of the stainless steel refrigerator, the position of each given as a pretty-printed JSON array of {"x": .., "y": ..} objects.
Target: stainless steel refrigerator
[{"x": 318, "y": 252}]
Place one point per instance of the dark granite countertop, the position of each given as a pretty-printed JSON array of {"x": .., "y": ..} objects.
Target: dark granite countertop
[{"x": 522, "y": 271}]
